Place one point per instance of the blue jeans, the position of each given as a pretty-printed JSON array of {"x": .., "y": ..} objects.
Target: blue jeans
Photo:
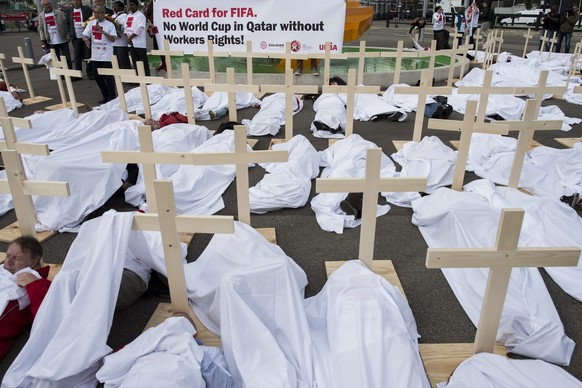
[{"x": 561, "y": 36}]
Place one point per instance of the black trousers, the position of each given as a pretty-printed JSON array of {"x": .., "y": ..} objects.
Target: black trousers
[
  {"x": 81, "y": 52},
  {"x": 122, "y": 54},
  {"x": 137, "y": 55},
  {"x": 106, "y": 83},
  {"x": 62, "y": 49}
]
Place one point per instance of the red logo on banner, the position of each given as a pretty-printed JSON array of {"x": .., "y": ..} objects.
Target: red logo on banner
[
  {"x": 77, "y": 16},
  {"x": 263, "y": 45},
  {"x": 97, "y": 34},
  {"x": 295, "y": 46},
  {"x": 129, "y": 21},
  {"x": 50, "y": 21}
]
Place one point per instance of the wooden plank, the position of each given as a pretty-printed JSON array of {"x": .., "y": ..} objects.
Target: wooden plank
[
  {"x": 384, "y": 268},
  {"x": 164, "y": 311},
  {"x": 399, "y": 144},
  {"x": 441, "y": 360},
  {"x": 568, "y": 141},
  {"x": 532, "y": 145},
  {"x": 35, "y": 100},
  {"x": 68, "y": 105},
  {"x": 12, "y": 232},
  {"x": 269, "y": 234}
]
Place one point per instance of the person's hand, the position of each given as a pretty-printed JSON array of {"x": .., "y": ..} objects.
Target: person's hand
[{"x": 25, "y": 278}]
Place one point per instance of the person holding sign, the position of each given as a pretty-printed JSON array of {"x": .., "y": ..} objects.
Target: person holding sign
[
  {"x": 100, "y": 34},
  {"x": 135, "y": 33}
]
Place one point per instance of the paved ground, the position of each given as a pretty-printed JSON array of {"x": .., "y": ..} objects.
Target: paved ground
[{"x": 438, "y": 314}]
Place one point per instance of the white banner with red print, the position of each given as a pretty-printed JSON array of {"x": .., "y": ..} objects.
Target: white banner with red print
[{"x": 307, "y": 24}]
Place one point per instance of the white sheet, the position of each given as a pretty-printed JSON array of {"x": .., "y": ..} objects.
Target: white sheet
[
  {"x": 271, "y": 116},
  {"x": 530, "y": 324},
  {"x": 485, "y": 370},
  {"x": 407, "y": 102},
  {"x": 133, "y": 98},
  {"x": 368, "y": 105},
  {"x": 345, "y": 159},
  {"x": 287, "y": 185},
  {"x": 330, "y": 110}
]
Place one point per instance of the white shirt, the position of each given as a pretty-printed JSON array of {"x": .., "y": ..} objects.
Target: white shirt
[
  {"x": 120, "y": 18},
  {"x": 438, "y": 21},
  {"x": 53, "y": 30},
  {"x": 101, "y": 47},
  {"x": 136, "y": 24},
  {"x": 78, "y": 22}
]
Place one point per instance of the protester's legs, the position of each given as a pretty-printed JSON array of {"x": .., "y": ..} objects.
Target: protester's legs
[
  {"x": 122, "y": 54},
  {"x": 132, "y": 287},
  {"x": 100, "y": 80},
  {"x": 142, "y": 55},
  {"x": 559, "y": 43},
  {"x": 542, "y": 32},
  {"x": 568, "y": 36},
  {"x": 78, "y": 53}
]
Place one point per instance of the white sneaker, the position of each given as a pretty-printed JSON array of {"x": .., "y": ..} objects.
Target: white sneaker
[
  {"x": 298, "y": 72},
  {"x": 315, "y": 72}
]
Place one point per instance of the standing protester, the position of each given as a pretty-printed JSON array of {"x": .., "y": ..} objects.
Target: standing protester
[
  {"x": 135, "y": 33},
  {"x": 108, "y": 11},
  {"x": 78, "y": 13},
  {"x": 53, "y": 27},
  {"x": 487, "y": 16},
  {"x": 438, "y": 26},
  {"x": 571, "y": 17},
  {"x": 472, "y": 18},
  {"x": 100, "y": 35},
  {"x": 120, "y": 45},
  {"x": 551, "y": 25},
  {"x": 152, "y": 32},
  {"x": 460, "y": 24}
]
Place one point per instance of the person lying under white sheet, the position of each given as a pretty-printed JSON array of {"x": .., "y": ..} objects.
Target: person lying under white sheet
[
  {"x": 271, "y": 116},
  {"x": 133, "y": 98}
]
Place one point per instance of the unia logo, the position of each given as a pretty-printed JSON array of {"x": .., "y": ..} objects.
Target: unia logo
[
  {"x": 263, "y": 45},
  {"x": 295, "y": 46}
]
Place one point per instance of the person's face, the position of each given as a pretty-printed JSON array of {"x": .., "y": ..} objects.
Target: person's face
[
  {"x": 77, "y": 3},
  {"x": 575, "y": 8},
  {"x": 99, "y": 14},
  {"x": 16, "y": 259},
  {"x": 132, "y": 7},
  {"x": 46, "y": 6},
  {"x": 100, "y": 2},
  {"x": 116, "y": 8}
]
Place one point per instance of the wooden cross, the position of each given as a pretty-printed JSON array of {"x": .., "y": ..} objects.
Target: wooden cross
[
  {"x": 456, "y": 35},
  {"x": 169, "y": 224},
  {"x": 477, "y": 37},
  {"x": 574, "y": 61},
  {"x": 4, "y": 72},
  {"x": 231, "y": 88},
  {"x": 24, "y": 62},
  {"x": 350, "y": 90},
  {"x": 241, "y": 158},
  {"x": 500, "y": 260},
  {"x": 527, "y": 37},
  {"x": 210, "y": 54},
  {"x": 249, "y": 55},
  {"x": 117, "y": 74},
  {"x": 168, "y": 54},
  {"x": 361, "y": 54},
  {"x": 467, "y": 127},
  {"x": 526, "y": 128},
  {"x": 540, "y": 90},
  {"x": 186, "y": 83},
  {"x": 370, "y": 186},
  {"x": 143, "y": 82},
  {"x": 61, "y": 68},
  {"x": 399, "y": 54},
  {"x": 288, "y": 56},
  {"x": 18, "y": 185},
  {"x": 453, "y": 56},
  {"x": 290, "y": 90},
  {"x": 10, "y": 142},
  {"x": 423, "y": 91},
  {"x": 483, "y": 91},
  {"x": 327, "y": 56}
]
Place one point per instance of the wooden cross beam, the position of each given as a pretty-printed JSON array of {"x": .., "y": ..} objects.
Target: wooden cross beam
[
  {"x": 574, "y": 61},
  {"x": 288, "y": 56},
  {"x": 526, "y": 128},
  {"x": 370, "y": 186},
  {"x": 117, "y": 74},
  {"x": 327, "y": 56},
  {"x": 186, "y": 83},
  {"x": 169, "y": 224},
  {"x": 399, "y": 54},
  {"x": 4, "y": 72},
  {"x": 231, "y": 88},
  {"x": 361, "y": 54},
  {"x": 241, "y": 158},
  {"x": 423, "y": 91},
  {"x": 453, "y": 56},
  {"x": 483, "y": 91},
  {"x": 168, "y": 54},
  {"x": 249, "y": 55},
  {"x": 24, "y": 62},
  {"x": 527, "y": 37},
  {"x": 62, "y": 69},
  {"x": 143, "y": 82},
  {"x": 290, "y": 90},
  {"x": 210, "y": 54},
  {"x": 500, "y": 260},
  {"x": 467, "y": 127},
  {"x": 350, "y": 90},
  {"x": 10, "y": 142},
  {"x": 477, "y": 37}
]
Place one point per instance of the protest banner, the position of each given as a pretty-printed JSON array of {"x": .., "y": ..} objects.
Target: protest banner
[{"x": 188, "y": 25}]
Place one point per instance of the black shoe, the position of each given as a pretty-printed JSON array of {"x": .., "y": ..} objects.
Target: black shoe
[
  {"x": 448, "y": 111},
  {"x": 441, "y": 99},
  {"x": 439, "y": 113},
  {"x": 352, "y": 205},
  {"x": 571, "y": 200}
]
